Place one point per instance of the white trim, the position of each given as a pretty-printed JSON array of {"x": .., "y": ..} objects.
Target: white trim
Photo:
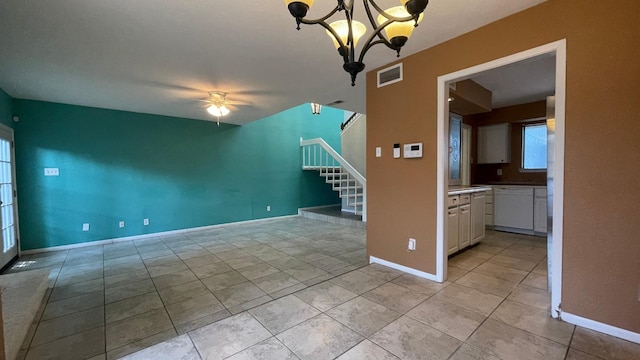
[
  {"x": 601, "y": 327},
  {"x": 317, "y": 207},
  {"x": 147, "y": 236},
  {"x": 14, "y": 183},
  {"x": 558, "y": 177},
  {"x": 558, "y": 48},
  {"x": 408, "y": 270},
  {"x": 350, "y": 124},
  {"x": 442, "y": 182}
]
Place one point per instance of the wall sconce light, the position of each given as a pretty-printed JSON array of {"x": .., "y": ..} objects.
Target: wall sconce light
[{"x": 316, "y": 108}]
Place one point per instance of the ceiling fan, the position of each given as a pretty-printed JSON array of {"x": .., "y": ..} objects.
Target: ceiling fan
[{"x": 218, "y": 105}]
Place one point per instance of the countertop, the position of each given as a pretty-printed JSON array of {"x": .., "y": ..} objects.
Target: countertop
[{"x": 456, "y": 190}]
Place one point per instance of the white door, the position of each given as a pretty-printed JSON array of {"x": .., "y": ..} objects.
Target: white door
[{"x": 8, "y": 206}]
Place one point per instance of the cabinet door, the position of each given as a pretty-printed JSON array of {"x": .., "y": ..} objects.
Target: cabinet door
[
  {"x": 464, "y": 235},
  {"x": 494, "y": 144},
  {"x": 477, "y": 217},
  {"x": 540, "y": 215},
  {"x": 453, "y": 224}
]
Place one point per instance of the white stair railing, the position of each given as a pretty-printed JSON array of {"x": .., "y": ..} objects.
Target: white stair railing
[{"x": 350, "y": 184}]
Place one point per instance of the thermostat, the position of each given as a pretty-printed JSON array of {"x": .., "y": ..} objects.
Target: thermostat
[{"x": 412, "y": 151}]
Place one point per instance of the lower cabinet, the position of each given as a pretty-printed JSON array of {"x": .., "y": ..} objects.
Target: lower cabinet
[
  {"x": 464, "y": 214},
  {"x": 454, "y": 223},
  {"x": 477, "y": 217},
  {"x": 540, "y": 211},
  {"x": 464, "y": 226}
]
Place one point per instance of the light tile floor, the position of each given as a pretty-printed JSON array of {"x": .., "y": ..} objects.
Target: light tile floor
[{"x": 299, "y": 289}]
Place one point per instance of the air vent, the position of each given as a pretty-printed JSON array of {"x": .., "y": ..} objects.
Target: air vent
[{"x": 390, "y": 75}]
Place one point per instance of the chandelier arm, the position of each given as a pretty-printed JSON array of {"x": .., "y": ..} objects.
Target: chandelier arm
[
  {"x": 372, "y": 44},
  {"x": 334, "y": 34},
  {"x": 384, "y": 13},
  {"x": 375, "y": 27},
  {"x": 352, "y": 48},
  {"x": 320, "y": 20}
]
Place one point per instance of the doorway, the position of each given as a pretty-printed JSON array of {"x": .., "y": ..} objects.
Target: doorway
[
  {"x": 555, "y": 164},
  {"x": 8, "y": 200}
]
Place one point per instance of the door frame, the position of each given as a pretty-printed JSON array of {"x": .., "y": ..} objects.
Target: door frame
[
  {"x": 559, "y": 49},
  {"x": 10, "y": 132}
]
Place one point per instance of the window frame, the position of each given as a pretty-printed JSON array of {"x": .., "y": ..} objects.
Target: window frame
[{"x": 522, "y": 169}]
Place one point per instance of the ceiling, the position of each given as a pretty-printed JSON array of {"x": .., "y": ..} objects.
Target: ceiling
[
  {"x": 521, "y": 82},
  {"x": 162, "y": 56}
]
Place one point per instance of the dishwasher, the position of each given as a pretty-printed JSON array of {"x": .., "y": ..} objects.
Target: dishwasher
[{"x": 513, "y": 209}]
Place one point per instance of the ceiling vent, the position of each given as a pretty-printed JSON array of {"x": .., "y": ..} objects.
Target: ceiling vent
[{"x": 390, "y": 75}]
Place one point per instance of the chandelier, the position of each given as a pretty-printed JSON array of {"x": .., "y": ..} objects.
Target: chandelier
[{"x": 393, "y": 27}]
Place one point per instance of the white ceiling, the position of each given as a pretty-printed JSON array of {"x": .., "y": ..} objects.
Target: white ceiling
[
  {"x": 162, "y": 56},
  {"x": 520, "y": 83}
]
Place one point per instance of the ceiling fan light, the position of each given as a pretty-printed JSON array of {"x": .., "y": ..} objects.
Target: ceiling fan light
[
  {"x": 341, "y": 27},
  {"x": 218, "y": 111},
  {"x": 398, "y": 32}
]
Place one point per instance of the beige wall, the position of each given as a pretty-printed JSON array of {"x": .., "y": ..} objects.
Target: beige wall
[
  {"x": 353, "y": 144},
  {"x": 601, "y": 249}
]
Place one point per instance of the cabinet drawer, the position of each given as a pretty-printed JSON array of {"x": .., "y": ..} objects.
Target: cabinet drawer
[
  {"x": 454, "y": 200},
  {"x": 465, "y": 199}
]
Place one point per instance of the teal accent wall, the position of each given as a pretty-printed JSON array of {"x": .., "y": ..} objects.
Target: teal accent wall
[
  {"x": 180, "y": 173},
  {"x": 6, "y": 113}
]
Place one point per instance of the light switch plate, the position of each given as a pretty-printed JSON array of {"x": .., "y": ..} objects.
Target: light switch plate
[
  {"x": 85, "y": 227},
  {"x": 145, "y": 222},
  {"x": 51, "y": 171},
  {"x": 378, "y": 151},
  {"x": 121, "y": 224}
]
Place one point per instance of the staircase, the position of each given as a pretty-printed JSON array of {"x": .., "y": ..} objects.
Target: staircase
[{"x": 319, "y": 156}]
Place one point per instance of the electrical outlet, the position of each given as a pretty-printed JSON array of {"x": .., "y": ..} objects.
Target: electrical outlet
[
  {"x": 412, "y": 244},
  {"x": 85, "y": 227},
  {"x": 121, "y": 224},
  {"x": 499, "y": 172},
  {"x": 268, "y": 207},
  {"x": 145, "y": 222}
]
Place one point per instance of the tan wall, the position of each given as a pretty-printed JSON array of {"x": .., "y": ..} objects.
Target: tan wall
[
  {"x": 601, "y": 249},
  {"x": 487, "y": 173}
]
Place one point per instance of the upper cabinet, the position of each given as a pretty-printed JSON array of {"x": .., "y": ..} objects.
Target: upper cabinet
[{"x": 494, "y": 144}]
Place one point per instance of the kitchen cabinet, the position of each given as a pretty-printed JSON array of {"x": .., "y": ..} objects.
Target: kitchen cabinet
[
  {"x": 477, "y": 217},
  {"x": 488, "y": 209},
  {"x": 540, "y": 211},
  {"x": 460, "y": 220},
  {"x": 464, "y": 228},
  {"x": 494, "y": 144},
  {"x": 453, "y": 225}
]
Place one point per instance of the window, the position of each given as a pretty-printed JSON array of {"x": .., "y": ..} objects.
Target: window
[{"x": 534, "y": 147}]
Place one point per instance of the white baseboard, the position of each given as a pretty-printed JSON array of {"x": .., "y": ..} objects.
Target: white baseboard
[
  {"x": 147, "y": 236},
  {"x": 317, "y": 207},
  {"x": 601, "y": 327},
  {"x": 408, "y": 270}
]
